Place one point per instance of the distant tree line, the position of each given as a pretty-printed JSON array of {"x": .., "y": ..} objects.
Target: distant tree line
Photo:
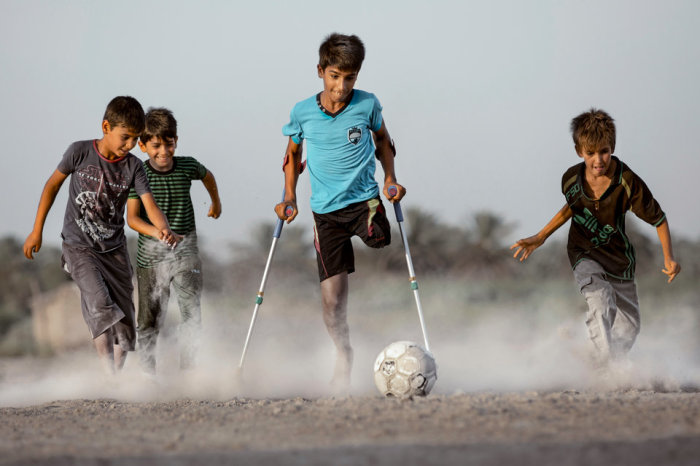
[
  {"x": 20, "y": 279},
  {"x": 478, "y": 249}
]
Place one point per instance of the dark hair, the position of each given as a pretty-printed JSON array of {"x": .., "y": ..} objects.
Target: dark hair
[
  {"x": 125, "y": 111},
  {"x": 160, "y": 123},
  {"x": 593, "y": 129},
  {"x": 345, "y": 52}
]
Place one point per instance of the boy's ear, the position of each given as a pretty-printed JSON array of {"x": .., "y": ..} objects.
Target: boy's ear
[
  {"x": 142, "y": 146},
  {"x": 320, "y": 71},
  {"x": 106, "y": 128}
]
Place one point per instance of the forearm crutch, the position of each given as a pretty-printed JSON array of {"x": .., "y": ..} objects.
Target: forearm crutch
[
  {"x": 261, "y": 291},
  {"x": 411, "y": 273}
]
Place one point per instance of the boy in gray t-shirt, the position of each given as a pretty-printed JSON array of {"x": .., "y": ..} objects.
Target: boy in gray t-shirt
[{"x": 94, "y": 246}]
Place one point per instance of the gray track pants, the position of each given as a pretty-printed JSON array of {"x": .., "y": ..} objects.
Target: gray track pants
[
  {"x": 184, "y": 274},
  {"x": 613, "y": 310}
]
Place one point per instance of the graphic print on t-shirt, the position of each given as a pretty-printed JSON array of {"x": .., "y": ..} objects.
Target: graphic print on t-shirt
[
  {"x": 590, "y": 222},
  {"x": 98, "y": 191}
]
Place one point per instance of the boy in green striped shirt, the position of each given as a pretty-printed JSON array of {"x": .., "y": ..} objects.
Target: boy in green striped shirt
[{"x": 158, "y": 265}]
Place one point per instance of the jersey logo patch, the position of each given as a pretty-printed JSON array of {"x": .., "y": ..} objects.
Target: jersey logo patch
[{"x": 354, "y": 135}]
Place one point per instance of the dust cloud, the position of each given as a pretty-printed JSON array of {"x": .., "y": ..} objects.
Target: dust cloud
[{"x": 479, "y": 345}]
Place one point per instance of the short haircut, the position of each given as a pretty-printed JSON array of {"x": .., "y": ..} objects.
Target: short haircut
[
  {"x": 345, "y": 52},
  {"x": 125, "y": 111},
  {"x": 593, "y": 129},
  {"x": 160, "y": 123}
]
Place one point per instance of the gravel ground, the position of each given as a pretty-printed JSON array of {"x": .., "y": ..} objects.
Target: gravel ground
[
  {"x": 527, "y": 428},
  {"x": 512, "y": 389}
]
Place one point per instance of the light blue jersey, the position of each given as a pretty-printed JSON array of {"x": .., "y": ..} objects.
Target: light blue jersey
[{"x": 339, "y": 149}]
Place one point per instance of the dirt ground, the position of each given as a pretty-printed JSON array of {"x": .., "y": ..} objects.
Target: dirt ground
[
  {"x": 529, "y": 428},
  {"x": 510, "y": 391},
  {"x": 56, "y": 411}
]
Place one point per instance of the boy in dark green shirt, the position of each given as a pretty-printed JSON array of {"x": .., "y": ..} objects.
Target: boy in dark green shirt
[
  {"x": 599, "y": 192},
  {"x": 159, "y": 266}
]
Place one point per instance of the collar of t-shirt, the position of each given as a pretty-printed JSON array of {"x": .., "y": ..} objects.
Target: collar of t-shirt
[{"x": 325, "y": 110}]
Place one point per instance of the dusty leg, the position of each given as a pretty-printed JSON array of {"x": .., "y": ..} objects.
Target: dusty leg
[
  {"x": 119, "y": 358},
  {"x": 600, "y": 297},
  {"x": 334, "y": 294},
  {"x": 154, "y": 293},
  {"x": 599, "y": 318},
  {"x": 627, "y": 322},
  {"x": 104, "y": 344},
  {"x": 187, "y": 283}
]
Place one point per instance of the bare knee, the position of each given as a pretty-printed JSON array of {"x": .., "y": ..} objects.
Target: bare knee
[
  {"x": 334, "y": 294},
  {"x": 333, "y": 305}
]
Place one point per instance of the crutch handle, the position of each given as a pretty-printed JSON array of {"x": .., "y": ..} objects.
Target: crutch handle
[
  {"x": 393, "y": 191},
  {"x": 288, "y": 211}
]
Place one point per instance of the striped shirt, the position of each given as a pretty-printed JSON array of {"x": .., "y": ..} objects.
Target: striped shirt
[{"x": 171, "y": 191}]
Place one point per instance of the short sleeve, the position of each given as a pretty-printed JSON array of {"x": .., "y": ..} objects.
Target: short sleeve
[
  {"x": 570, "y": 187},
  {"x": 69, "y": 160},
  {"x": 375, "y": 117},
  {"x": 201, "y": 171},
  {"x": 141, "y": 185},
  {"x": 293, "y": 128},
  {"x": 192, "y": 167},
  {"x": 643, "y": 204}
]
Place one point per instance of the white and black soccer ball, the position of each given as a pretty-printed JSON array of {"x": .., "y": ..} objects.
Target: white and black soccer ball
[{"x": 404, "y": 370}]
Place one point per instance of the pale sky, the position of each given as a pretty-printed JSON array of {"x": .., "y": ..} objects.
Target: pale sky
[{"x": 478, "y": 96}]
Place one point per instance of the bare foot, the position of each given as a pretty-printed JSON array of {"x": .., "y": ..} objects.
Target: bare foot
[{"x": 340, "y": 383}]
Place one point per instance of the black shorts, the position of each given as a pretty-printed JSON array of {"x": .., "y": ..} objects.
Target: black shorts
[{"x": 333, "y": 233}]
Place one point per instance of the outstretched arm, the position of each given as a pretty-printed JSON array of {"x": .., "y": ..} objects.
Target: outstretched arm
[
  {"x": 385, "y": 153},
  {"x": 671, "y": 267},
  {"x": 526, "y": 246},
  {"x": 133, "y": 218},
  {"x": 292, "y": 162},
  {"x": 160, "y": 222},
  {"x": 210, "y": 184},
  {"x": 33, "y": 242}
]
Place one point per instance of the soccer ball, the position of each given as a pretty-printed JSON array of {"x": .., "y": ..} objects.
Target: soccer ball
[{"x": 404, "y": 370}]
